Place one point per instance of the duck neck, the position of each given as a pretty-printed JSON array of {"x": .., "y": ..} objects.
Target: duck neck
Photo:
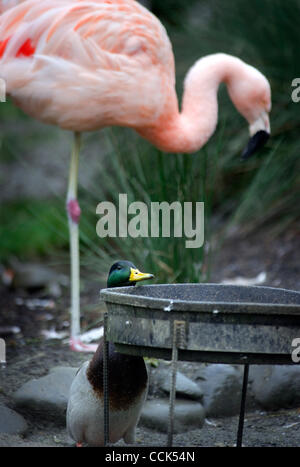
[{"x": 127, "y": 376}]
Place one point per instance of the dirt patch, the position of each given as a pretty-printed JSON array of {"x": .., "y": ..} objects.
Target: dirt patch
[{"x": 262, "y": 250}]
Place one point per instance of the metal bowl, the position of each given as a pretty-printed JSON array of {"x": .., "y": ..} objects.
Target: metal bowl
[{"x": 219, "y": 323}]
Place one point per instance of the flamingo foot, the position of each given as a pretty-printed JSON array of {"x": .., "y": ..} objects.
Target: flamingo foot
[
  {"x": 78, "y": 346},
  {"x": 79, "y": 445}
]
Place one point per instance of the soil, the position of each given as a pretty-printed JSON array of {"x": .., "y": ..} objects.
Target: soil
[{"x": 29, "y": 355}]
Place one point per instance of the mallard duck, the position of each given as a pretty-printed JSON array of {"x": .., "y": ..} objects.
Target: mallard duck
[{"x": 127, "y": 384}]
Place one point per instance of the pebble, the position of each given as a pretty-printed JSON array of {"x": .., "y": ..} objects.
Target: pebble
[
  {"x": 47, "y": 396},
  {"x": 276, "y": 386},
  {"x": 185, "y": 387},
  {"x": 188, "y": 415},
  {"x": 222, "y": 385},
  {"x": 11, "y": 422}
]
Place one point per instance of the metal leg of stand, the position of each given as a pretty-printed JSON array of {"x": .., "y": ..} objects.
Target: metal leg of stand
[
  {"x": 105, "y": 382},
  {"x": 178, "y": 341},
  {"x": 243, "y": 404},
  {"x": 172, "y": 389}
]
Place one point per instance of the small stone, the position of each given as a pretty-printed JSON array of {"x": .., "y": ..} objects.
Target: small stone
[
  {"x": 188, "y": 415},
  {"x": 276, "y": 386},
  {"x": 222, "y": 385},
  {"x": 185, "y": 387},
  {"x": 47, "y": 396},
  {"x": 32, "y": 276},
  {"x": 11, "y": 422}
]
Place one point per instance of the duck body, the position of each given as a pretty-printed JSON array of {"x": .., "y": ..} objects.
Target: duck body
[
  {"x": 127, "y": 392},
  {"x": 127, "y": 382}
]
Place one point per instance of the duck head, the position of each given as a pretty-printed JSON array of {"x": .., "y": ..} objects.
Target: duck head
[{"x": 125, "y": 273}]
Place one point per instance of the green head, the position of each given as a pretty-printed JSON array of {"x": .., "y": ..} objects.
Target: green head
[{"x": 124, "y": 273}]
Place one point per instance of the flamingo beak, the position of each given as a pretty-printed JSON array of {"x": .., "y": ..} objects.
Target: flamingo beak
[
  {"x": 260, "y": 133},
  {"x": 136, "y": 275}
]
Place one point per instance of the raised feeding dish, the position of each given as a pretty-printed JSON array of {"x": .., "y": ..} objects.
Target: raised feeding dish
[
  {"x": 219, "y": 323},
  {"x": 203, "y": 322}
]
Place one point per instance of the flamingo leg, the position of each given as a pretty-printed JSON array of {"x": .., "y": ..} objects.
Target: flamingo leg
[{"x": 73, "y": 211}]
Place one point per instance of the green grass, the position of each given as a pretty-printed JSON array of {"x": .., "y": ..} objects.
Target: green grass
[
  {"x": 32, "y": 227},
  {"x": 172, "y": 12},
  {"x": 145, "y": 174}
]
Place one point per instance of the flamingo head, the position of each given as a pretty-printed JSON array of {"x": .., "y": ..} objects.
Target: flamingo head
[{"x": 251, "y": 95}]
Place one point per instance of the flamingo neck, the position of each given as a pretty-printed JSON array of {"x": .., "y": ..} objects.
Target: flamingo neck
[{"x": 187, "y": 131}]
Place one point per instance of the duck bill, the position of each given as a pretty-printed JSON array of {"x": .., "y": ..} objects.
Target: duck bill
[
  {"x": 137, "y": 276},
  {"x": 259, "y": 135}
]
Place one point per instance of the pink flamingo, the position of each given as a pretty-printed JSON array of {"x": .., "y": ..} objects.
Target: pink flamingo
[{"x": 84, "y": 65}]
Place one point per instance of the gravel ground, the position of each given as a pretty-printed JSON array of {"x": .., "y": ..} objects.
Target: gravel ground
[{"x": 281, "y": 428}]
